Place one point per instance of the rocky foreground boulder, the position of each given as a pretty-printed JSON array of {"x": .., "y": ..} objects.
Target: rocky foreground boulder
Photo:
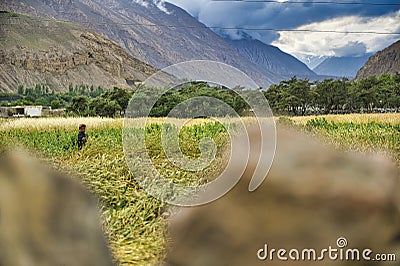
[
  {"x": 314, "y": 197},
  {"x": 47, "y": 218}
]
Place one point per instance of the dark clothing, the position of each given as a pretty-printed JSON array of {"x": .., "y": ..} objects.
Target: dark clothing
[{"x": 82, "y": 138}]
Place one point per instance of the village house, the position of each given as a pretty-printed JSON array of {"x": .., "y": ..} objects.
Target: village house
[{"x": 29, "y": 111}]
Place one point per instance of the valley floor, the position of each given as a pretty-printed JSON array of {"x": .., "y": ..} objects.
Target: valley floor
[{"x": 134, "y": 221}]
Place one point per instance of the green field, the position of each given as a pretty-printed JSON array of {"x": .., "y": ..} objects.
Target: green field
[
  {"x": 135, "y": 222},
  {"x": 373, "y": 133}
]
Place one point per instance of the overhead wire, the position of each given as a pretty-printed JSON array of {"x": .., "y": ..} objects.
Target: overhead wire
[
  {"x": 312, "y": 2},
  {"x": 223, "y": 28}
]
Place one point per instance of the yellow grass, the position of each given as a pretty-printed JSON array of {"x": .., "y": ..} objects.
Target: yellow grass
[
  {"x": 71, "y": 123},
  {"x": 58, "y": 122},
  {"x": 392, "y": 118},
  {"x": 97, "y": 122}
]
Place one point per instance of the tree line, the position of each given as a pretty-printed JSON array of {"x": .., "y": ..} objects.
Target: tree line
[
  {"x": 301, "y": 96},
  {"x": 43, "y": 94},
  {"x": 84, "y": 100},
  {"x": 196, "y": 106},
  {"x": 289, "y": 97},
  {"x": 80, "y": 100}
]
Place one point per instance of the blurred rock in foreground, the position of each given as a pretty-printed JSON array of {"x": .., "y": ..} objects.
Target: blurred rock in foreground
[
  {"x": 46, "y": 218},
  {"x": 312, "y": 196}
]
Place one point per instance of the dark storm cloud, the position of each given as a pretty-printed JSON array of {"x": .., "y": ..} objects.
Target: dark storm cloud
[{"x": 276, "y": 15}]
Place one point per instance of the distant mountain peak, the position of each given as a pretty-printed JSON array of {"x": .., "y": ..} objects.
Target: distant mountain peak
[
  {"x": 341, "y": 66},
  {"x": 272, "y": 58},
  {"x": 311, "y": 61},
  {"x": 234, "y": 36}
]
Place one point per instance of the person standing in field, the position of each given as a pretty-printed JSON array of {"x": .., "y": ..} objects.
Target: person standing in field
[{"x": 82, "y": 136}]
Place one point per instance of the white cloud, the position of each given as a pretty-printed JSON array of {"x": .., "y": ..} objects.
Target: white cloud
[
  {"x": 141, "y": 2},
  {"x": 160, "y": 4},
  {"x": 191, "y": 6},
  {"x": 342, "y": 44},
  {"x": 302, "y": 17}
]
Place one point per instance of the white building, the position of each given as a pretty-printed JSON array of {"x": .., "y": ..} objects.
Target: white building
[
  {"x": 29, "y": 111},
  {"x": 33, "y": 111}
]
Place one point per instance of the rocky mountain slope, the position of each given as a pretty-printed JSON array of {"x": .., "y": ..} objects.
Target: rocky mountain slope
[
  {"x": 145, "y": 29},
  {"x": 341, "y": 66},
  {"x": 45, "y": 51},
  {"x": 272, "y": 58},
  {"x": 385, "y": 61}
]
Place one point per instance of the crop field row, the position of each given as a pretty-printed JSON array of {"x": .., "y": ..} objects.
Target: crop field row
[
  {"x": 388, "y": 118},
  {"x": 367, "y": 133}
]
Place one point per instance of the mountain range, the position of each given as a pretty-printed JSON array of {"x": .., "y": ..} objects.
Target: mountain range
[
  {"x": 162, "y": 34},
  {"x": 45, "y": 51},
  {"x": 144, "y": 30},
  {"x": 346, "y": 66},
  {"x": 272, "y": 58},
  {"x": 151, "y": 34}
]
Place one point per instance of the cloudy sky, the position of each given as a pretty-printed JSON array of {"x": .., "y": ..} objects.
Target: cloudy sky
[{"x": 362, "y": 16}]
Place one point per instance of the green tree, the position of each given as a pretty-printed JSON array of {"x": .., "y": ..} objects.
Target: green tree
[
  {"x": 70, "y": 89},
  {"x": 330, "y": 94},
  {"x": 396, "y": 90},
  {"x": 293, "y": 96},
  {"x": 121, "y": 96},
  {"x": 55, "y": 104},
  {"x": 42, "y": 101},
  {"x": 79, "y": 105},
  {"x": 386, "y": 92},
  {"x": 111, "y": 108},
  {"x": 274, "y": 98},
  {"x": 365, "y": 92},
  {"x": 97, "y": 107},
  {"x": 20, "y": 89}
]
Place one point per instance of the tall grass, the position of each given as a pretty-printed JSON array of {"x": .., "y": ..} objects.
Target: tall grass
[
  {"x": 371, "y": 133},
  {"x": 389, "y": 118}
]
